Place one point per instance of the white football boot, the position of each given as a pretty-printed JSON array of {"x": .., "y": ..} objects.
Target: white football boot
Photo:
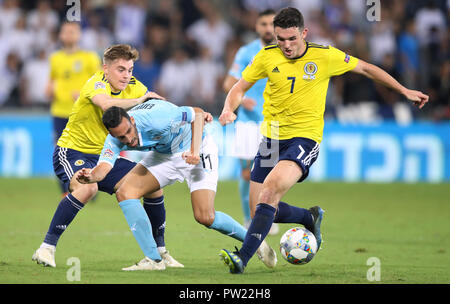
[
  {"x": 267, "y": 255},
  {"x": 147, "y": 264},
  {"x": 45, "y": 255},
  {"x": 169, "y": 261},
  {"x": 274, "y": 229}
]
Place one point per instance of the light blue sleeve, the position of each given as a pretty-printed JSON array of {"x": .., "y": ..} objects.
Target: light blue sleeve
[
  {"x": 239, "y": 63},
  {"x": 111, "y": 150},
  {"x": 187, "y": 114}
]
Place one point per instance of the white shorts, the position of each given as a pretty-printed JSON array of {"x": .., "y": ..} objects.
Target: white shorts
[
  {"x": 247, "y": 138},
  {"x": 169, "y": 168}
]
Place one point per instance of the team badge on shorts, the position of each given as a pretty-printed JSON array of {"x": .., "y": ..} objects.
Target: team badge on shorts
[
  {"x": 310, "y": 70},
  {"x": 79, "y": 162}
]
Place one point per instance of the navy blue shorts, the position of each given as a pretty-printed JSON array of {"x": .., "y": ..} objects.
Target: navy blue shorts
[
  {"x": 302, "y": 151},
  {"x": 59, "y": 124},
  {"x": 67, "y": 161}
]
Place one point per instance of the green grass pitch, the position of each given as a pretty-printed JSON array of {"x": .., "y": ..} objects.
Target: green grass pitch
[{"x": 405, "y": 226}]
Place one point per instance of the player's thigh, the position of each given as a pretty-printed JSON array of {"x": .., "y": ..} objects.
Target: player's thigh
[
  {"x": 283, "y": 176},
  {"x": 203, "y": 206},
  {"x": 66, "y": 162},
  {"x": 118, "y": 175},
  {"x": 137, "y": 182},
  {"x": 205, "y": 174}
]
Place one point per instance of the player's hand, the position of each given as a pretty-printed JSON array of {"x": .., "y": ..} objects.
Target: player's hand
[
  {"x": 84, "y": 176},
  {"x": 151, "y": 95},
  {"x": 190, "y": 158},
  {"x": 208, "y": 117},
  {"x": 418, "y": 98},
  {"x": 246, "y": 174},
  {"x": 227, "y": 117},
  {"x": 248, "y": 103}
]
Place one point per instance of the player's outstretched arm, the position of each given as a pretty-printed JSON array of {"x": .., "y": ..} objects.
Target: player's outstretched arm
[
  {"x": 373, "y": 72},
  {"x": 105, "y": 101},
  {"x": 95, "y": 175},
  {"x": 233, "y": 100}
]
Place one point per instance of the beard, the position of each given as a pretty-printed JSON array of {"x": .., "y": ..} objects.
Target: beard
[{"x": 268, "y": 39}]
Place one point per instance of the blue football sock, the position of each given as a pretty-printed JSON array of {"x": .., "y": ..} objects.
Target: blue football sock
[
  {"x": 244, "y": 191},
  {"x": 156, "y": 213},
  {"x": 257, "y": 232},
  {"x": 140, "y": 225},
  {"x": 65, "y": 212},
  {"x": 292, "y": 214},
  {"x": 227, "y": 225}
]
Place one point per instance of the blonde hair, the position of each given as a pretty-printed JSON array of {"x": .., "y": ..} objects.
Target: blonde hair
[{"x": 120, "y": 51}]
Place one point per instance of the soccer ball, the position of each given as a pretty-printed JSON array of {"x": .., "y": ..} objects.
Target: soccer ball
[{"x": 298, "y": 246}]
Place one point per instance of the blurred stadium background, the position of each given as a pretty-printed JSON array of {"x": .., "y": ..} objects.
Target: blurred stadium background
[{"x": 187, "y": 46}]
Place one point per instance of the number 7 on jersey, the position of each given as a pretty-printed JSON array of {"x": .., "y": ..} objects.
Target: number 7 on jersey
[{"x": 292, "y": 84}]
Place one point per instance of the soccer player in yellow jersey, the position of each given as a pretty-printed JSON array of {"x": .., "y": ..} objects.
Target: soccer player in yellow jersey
[
  {"x": 298, "y": 73},
  {"x": 82, "y": 141},
  {"x": 70, "y": 68}
]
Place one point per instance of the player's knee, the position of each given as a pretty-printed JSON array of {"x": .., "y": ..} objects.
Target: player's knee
[
  {"x": 266, "y": 195},
  {"x": 121, "y": 194},
  {"x": 269, "y": 195},
  {"x": 277, "y": 185},
  {"x": 84, "y": 192},
  {"x": 204, "y": 218},
  {"x": 124, "y": 193}
]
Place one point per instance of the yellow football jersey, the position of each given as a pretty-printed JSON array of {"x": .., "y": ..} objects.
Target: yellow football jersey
[
  {"x": 295, "y": 93},
  {"x": 69, "y": 72},
  {"x": 85, "y": 131}
]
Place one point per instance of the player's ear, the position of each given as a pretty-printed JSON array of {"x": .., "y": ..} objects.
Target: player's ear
[
  {"x": 132, "y": 120},
  {"x": 304, "y": 33}
]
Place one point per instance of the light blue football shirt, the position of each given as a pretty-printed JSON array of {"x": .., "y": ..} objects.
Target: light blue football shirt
[
  {"x": 243, "y": 57},
  {"x": 161, "y": 126}
]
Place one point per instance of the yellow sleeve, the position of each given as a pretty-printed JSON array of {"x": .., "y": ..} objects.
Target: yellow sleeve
[
  {"x": 340, "y": 62},
  {"x": 96, "y": 86},
  {"x": 255, "y": 69}
]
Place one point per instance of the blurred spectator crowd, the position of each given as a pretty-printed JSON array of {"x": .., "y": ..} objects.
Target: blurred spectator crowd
[{"x": 187, "y": 46}]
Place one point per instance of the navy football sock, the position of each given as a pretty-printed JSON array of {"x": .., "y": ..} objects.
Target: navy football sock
[
  {"x": 292, "y": 214},
  {"x": 156, "y": 212},
  {"x": 64, "y": 214},
  {"x": 258, "y": 230}
]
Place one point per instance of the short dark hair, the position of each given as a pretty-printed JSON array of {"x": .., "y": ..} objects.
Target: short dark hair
[
  {"x": 113, "y": 117},
  {"x": 289, "y": 17},
  {"x": 266, "y": 12}
]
